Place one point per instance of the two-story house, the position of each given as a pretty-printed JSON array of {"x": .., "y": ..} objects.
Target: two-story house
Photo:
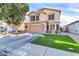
[{"x": 44, "y": 20}]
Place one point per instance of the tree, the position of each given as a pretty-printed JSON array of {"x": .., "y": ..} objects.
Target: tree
[{"x": 13, "y": 13}]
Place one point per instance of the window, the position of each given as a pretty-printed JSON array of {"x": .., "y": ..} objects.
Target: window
[
  {"x": 57, "y": 27},
  {"x": 26, "y": 27},
  {"x": 51, "y": 17},
  {"x": 47, "y": 27},
  {"x": 37, "y": 18},
  {"x": 32, "y": 18},
  {"x": 1, "y": 27},
  {"x": 76, "y": 30},
  {"x": 53, "y": 27}
]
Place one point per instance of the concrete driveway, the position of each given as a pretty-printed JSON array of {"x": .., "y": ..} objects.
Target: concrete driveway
[{"x": 9, "y": 44}]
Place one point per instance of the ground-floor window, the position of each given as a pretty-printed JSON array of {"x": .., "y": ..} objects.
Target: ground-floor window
[
  {"x": 57, "y": 26},
  {"x": 26, "y": 26},
  {"x": 47, "y": 27}
]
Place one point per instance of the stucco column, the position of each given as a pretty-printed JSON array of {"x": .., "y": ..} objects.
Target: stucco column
[
  {"x": 45, "y": 28},
  {"x": 35, "y": 18},
  {"x": 49, "y": 27},
  {"x": 55, "y": 27}
]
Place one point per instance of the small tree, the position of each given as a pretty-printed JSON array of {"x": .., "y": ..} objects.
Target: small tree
[{"x": 13, "y": 14}]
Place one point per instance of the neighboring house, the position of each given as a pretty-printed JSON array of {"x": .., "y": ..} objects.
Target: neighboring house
[
  {"x": 72, "y": 27},
  {"x": 4, "y": 27},
  {"x": 44, "y": 20}
]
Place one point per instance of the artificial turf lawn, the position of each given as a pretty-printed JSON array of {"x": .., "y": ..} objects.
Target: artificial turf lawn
[{"x": 63, "y": 42}]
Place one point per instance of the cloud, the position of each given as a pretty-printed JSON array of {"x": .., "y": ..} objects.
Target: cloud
[
  {"x": 74, "y": 10},
  {"x": 74, "y": 5},
  {"x": 67, "y": 19},
  {"x": 69, "y": 11}
]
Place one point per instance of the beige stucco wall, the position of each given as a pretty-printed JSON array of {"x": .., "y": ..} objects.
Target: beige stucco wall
[
  {"x": 44, "y": 17},
  {"x": 32, "y": 14},
  {"x": 57, "y": 15},
  {"x": 40, "y": 26},
  {"x": 21, "y": 27}
]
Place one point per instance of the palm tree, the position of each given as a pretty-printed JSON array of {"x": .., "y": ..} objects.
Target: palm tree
[{"x": 13, "y": 13}]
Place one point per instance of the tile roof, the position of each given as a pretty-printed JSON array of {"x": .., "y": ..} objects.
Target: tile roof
[{"x": 38, "y": 12}]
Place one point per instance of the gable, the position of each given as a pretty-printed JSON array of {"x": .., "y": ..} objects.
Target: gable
[{"x": 33, "y": 14}]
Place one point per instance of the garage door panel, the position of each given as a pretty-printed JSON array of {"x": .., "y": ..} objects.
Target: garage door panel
[{"x": 36, "y": 28}]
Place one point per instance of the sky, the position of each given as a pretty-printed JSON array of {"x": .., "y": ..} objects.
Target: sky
[{"x": 69, "y": 11}]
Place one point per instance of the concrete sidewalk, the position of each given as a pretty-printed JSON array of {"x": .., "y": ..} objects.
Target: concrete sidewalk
[
  {"x": 73, "y": 36},
  {"x": 36, "y": 50}
]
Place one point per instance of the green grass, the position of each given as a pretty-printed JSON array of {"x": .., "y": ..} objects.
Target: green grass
[{"x": 63, "y": 42}]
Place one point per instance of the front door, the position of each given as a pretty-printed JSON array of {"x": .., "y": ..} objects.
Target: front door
[
  {"x": 52, "y": 28},
  {"x": 47, "y": 31}
]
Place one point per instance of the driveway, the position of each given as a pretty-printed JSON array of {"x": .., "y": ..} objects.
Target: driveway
[
  {"x": 74, "y": 36},
  {"x": 9, "y": 44}
]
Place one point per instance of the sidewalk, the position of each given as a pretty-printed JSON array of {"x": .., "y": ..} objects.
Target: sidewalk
[
  {"x": 73, "y": 36},
  {"x": 36, "y": 50}
]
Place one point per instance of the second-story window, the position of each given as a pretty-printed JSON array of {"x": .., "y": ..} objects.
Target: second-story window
[
  {"x": 32, "y": 18},
  {"x": 51, "y": 17},
  {"x": 37, "y": 18}
]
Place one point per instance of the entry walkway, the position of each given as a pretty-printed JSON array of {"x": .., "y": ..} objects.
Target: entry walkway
[{"x": 30, "y": 49}]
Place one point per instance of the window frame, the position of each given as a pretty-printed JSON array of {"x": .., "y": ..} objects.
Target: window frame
[
  {"x": 32, "y": 18},
  {"x": 57, "y": 26},
  {"x": 51, "y": 16},
  {"x": 37, "y": 18}
]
